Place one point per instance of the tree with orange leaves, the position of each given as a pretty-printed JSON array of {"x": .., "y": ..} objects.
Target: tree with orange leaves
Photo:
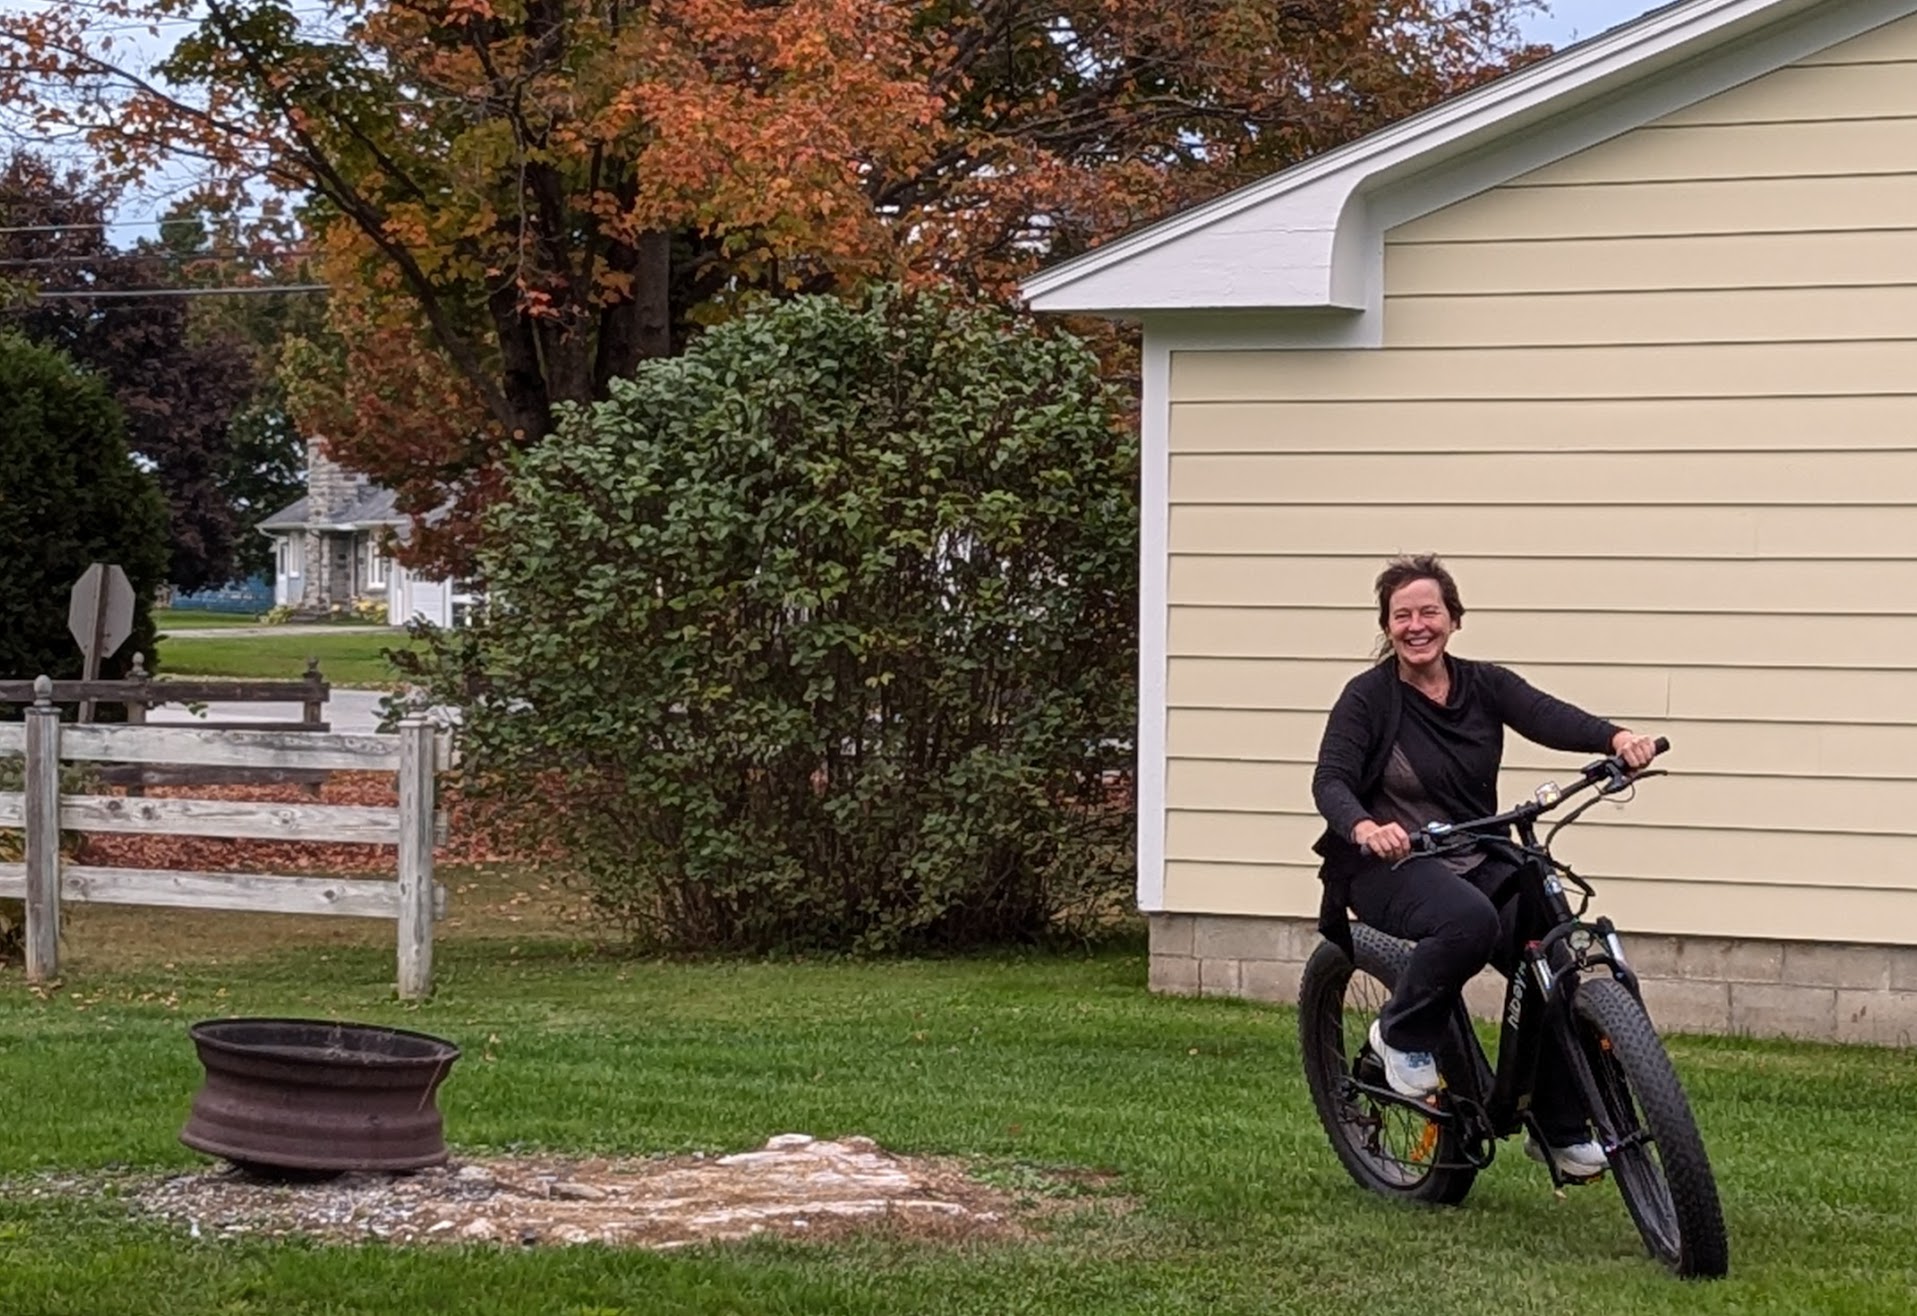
[{"x": 519, "y": 200}]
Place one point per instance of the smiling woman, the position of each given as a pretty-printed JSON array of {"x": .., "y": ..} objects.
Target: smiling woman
[{"x": 1418, "y": 739}]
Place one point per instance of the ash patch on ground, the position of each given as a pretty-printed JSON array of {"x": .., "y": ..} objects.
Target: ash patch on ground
[{"x": 796, "y": 1186}]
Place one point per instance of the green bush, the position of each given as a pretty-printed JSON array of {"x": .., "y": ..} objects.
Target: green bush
[
  {"x": 69, "y": 496},
  {"x": 823, "y": 635}
]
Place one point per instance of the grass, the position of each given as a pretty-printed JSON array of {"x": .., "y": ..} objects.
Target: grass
[
  {"x": 352, "y": 658},
  {"x": 1023, "y": 1063},
  {"x": 169, "y": 619}
]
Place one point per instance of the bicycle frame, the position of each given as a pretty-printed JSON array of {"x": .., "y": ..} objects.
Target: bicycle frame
[{"x": 1487, "y": 1104}]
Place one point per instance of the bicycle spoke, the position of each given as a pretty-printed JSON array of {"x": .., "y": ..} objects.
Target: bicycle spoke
[
  {"x": 1387, "y": 1145},
  {"x": 1403, "y": 1145}
]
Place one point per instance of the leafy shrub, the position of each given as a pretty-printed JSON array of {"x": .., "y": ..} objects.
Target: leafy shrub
[
  {"x": 823, "y": 634},
  {"x": 69, "y": 496}
]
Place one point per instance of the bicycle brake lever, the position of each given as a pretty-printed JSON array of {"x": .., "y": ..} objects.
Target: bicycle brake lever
[{"x": 1623, "y": 780}]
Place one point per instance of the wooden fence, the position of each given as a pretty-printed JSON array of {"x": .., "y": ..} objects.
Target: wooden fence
[
  {"x": 41, "y": 812},
  {"x": 139, "y": 692}
]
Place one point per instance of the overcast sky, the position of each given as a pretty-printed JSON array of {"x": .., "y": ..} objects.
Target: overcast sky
[{"x": 1573, "y": 20}]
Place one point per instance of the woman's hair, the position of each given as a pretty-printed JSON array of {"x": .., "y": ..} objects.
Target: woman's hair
[{"x": 1401, "y": 571}]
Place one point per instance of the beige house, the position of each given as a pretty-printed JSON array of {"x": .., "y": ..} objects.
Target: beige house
[{"x": 1630, "y": 337}]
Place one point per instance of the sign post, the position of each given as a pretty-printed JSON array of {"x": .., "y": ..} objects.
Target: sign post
[{"x": 100, "y": 617}]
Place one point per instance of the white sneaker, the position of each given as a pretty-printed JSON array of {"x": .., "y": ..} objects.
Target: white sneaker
[
  {"x": 1410, "y": 1073},
  {"x": 1579, "y": 1160}
]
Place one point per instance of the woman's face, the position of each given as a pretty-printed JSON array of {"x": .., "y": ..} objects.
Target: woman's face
[{"x": 1418, "y": 624}]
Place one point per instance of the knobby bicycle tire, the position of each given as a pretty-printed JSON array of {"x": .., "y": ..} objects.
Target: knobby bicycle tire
[
  {"x": 1672, "y": 1196},
  {"x": 1438, "y": 1177}
]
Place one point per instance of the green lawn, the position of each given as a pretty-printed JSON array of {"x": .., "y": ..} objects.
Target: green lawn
[
  {"x": 169, "y": 619},
  {"x": 1022, "y": 1063},
  {"x": 349, "y": 659}
]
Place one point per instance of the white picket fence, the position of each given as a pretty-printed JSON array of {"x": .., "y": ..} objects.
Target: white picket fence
[{"x": 415, "y": 901}]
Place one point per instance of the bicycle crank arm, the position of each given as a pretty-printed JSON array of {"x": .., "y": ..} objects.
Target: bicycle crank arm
[{"x": 1418, "y": 1105}]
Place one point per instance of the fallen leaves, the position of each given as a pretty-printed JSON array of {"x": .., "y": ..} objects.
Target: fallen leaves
[{"x": 463, "y": 844}]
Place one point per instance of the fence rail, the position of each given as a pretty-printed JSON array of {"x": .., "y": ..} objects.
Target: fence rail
[
  {"x": 246, "y": 893},
  {"x": 138, "y": 692},
  {"x": 243, "y": 820},
  {"x": 41, "y": 812},
  {"x": 334, "y": 750}
]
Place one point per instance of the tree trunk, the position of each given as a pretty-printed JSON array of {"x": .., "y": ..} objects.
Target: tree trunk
[
  {"x": 521, "y": 378},
  {"x": 639, "y": 329}
]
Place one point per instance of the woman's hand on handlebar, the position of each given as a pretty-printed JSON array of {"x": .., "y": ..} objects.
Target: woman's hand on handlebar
[
  {"x": 1636, "y": 751},
  {"x": 1387, "y": 841}
]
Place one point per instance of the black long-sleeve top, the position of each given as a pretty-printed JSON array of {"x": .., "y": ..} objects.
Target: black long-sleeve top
[{"x": 1455, "y": 749}]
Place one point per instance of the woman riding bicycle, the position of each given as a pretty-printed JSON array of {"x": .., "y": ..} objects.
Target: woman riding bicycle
[{"x": 1419, "y": 738}]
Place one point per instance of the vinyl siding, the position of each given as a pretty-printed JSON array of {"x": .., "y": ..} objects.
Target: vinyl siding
[{"x": 1657, "y": 404}]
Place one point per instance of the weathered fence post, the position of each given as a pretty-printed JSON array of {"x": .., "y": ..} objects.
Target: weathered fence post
[
  {"x": 43, "y": 834},
  {"x": 416, "y": 830},
  {"x": 140, "y": 698},
  {"x": 313, "y": 706}
]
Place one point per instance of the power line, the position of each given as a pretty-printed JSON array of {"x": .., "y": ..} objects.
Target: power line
[
  {"x": 64, "y": 228},
  {"x": 248, "y": 290},
  {"x": 233, "y": 255},
  {"x": 209, "y": 221}
]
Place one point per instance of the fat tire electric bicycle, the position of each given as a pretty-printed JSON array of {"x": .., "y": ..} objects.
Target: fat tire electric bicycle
[{"x": 1573, "y": 989}]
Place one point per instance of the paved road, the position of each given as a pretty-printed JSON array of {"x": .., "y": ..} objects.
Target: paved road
[
  {"x": 347, "y": 710},
  {"x": 291, "y": 628}
]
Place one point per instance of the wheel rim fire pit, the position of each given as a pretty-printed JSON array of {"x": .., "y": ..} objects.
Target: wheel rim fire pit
[{"x": 290, "y": 1097}]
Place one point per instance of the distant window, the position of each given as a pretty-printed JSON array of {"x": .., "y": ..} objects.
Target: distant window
[
  {"x": 375, "y": 567},
  {"x": 279, "y": 556},
  {"x": 465, "y": 602}
]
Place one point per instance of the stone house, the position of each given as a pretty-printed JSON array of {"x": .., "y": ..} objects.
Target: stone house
[{"x": 330, "y": 551}]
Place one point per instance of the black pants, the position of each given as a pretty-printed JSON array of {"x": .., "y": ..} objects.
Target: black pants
[{"x": 1460, "y": 924}]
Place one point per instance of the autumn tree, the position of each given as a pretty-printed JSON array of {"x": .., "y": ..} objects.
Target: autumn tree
[
  {"x": 236, "y": 261},
  {"x": 519, "y": 200},
  {"x": 179, "y": 390}
]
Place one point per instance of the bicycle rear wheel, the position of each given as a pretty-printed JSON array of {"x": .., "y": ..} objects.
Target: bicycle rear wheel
[
  {"x": 1658, "y": 1159},
  {"x": 1385, "y": 1147}
]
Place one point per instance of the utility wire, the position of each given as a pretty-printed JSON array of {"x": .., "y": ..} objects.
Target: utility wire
[
  {"x": 124, "y": 223},
  {"x": 231, "y": 256},
  {"x": 249, "y": 290}
]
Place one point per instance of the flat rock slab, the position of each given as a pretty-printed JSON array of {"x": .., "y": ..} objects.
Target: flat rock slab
[{"x": 795, "y": 1186}]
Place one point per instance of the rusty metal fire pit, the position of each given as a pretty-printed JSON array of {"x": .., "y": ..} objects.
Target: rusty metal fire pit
[{"x": 308, "y": 1097}]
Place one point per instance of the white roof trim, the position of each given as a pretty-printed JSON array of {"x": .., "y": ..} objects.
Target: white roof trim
[{"x": 1306, "y": 237}]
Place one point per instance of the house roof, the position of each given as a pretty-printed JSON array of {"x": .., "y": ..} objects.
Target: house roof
[
  {"x": 375, "y": 506},
  {"x": 290, "y": 517},
  {"x": 1312, "y": 236},
  {"x": 372, "y": 507}
]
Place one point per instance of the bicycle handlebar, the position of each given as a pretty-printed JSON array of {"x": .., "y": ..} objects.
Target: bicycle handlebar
[{"x": 1609, "y": 769}]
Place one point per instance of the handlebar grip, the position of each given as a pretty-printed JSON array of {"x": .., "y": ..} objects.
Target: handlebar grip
[{"x": 1662, "y": 745}]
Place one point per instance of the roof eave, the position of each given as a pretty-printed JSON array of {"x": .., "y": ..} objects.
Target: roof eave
[{"x": 1322, "y": 188}]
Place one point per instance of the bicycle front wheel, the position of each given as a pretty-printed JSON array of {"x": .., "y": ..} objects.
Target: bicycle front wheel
[{"x": 1658, "y": 1160}]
